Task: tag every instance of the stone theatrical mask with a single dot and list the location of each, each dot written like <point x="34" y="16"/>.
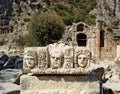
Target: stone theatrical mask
<point x="29" y="59"/>
<point x="56" y="56"/>
<point x="83" y="58"/>
<point x="82" y="61"/>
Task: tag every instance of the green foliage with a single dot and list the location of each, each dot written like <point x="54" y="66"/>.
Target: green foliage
<point x="112" y="26"/>
<point x="68" y="20"/>
<point x="48" y="2"/>
<point x="25" y="41"/>
<point x="74" y="10"/>
<point x="90" y="19"/>
<point x="26" y="19"/>
<point x="44" y="9"/>
<point x="2" y="42"/>
<point x="45" y="28"/>
<point x="21" y="41"/>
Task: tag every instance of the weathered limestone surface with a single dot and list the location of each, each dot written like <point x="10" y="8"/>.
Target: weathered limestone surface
<point x="109" y="11"/>
<point x="58" y="84"/>
<point x="57" y="70"/>
<point x="118" y="51"/>
<point x="57" y="60"/>
<point x="60" y="71"/>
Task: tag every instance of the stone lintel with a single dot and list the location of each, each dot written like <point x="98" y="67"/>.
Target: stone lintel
<point x="62" y="71"/>
<point x="60" y="84"/>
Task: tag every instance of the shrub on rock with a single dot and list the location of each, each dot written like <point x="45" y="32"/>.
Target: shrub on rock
<point x="45" y="28"/>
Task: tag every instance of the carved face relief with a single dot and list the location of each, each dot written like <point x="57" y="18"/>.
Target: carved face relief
<point x="82" y="61"/>
<point x="56" y="58"/>
<point x="30" y="61"/>
<point x="55" y="62"/>
<point x="82" y="57"/>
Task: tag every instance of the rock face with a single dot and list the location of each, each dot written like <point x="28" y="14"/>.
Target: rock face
<point x="109" y="11"/>
<point x="12" y="10"/>
<point x="11" y="62"/>
<point x="5" y="11"/>
<point x="15" y="13"/>
<point x="8" y="84"/>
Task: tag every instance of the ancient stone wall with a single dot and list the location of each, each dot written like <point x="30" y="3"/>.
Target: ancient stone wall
<point x="99" y="40"/>
<point x="109" y="50"/>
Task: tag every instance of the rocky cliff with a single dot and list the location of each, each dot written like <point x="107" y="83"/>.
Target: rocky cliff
<point x="109" y="11"/>
<point x="14" y="17"/>
<point x="15" y="14"/>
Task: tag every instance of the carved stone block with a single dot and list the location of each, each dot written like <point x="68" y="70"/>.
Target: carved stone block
<point x="30" y="60"/>
<point x="58" y="85"/>
<point x="56" y="58"/>
<point x="68" y="57"/>
<point x="43" y="58"/>
<point x="82" y="57"/>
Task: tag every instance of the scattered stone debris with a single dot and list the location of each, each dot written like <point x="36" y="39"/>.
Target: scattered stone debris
<point x="8" y="79"/>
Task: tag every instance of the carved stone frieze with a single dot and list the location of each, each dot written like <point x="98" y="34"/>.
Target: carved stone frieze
<point x="56" y="60"/>
<point x="43" y="58"/>
<point x="82" y="57"/>
<point x="30" y="60"/>
<point x="68" y="57"/>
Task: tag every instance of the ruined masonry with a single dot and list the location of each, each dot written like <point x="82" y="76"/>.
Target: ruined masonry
<point x="65" y="67"/>
<point x="57" y="69"/>
<point x="101" y="41"/>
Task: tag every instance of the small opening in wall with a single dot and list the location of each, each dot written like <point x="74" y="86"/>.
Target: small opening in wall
<point x="102" y="35"/>
<point x="80" y="27"/>
<point x="81" y="39"/>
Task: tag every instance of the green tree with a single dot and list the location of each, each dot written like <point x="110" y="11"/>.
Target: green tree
<point x="2" y="42"/>
<point x="26" y="40"/>
<point x="46" y="28"/>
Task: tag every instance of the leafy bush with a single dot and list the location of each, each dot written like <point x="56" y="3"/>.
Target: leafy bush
<point x="112" y="26"/>
<point x="2" y="42"/>
<point x="21" y="41"/>
<point x="46" y="28"/>
<point x="26" y="19"/>
<point x="26" y="40"/>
